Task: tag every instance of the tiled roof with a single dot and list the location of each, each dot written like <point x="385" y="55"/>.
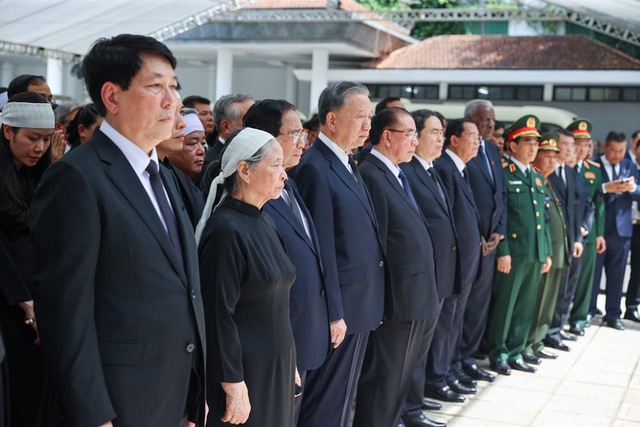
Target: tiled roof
<point x="573" y="52"/>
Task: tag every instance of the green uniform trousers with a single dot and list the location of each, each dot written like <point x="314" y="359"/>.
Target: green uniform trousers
<point x="513" y="303"/>
<point x="547" y="296"/>
<point x="582" y="297"/>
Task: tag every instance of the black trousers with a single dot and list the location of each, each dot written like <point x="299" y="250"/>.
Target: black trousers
<point x="632" y="299"/>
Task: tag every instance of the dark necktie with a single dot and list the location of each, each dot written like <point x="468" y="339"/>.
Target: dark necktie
<point x="407" y="189"/>
<point x="434" y="177"/>
<point x="356" y="173"/>
<point x="293" y="203"/>
<point x="614" y="173"/>
<point x="485" y="161"/>
<point x="562" y="174"/>
<point x="465" y="174"/>
<point x="165" y="209"/>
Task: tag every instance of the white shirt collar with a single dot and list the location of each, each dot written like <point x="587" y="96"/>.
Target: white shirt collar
<point x="393" y="168"/>
<point x="342" y="155"/>
<point x="523" y="168"/>
<point x="423" y="162"/>
<point x="138" y="159"/>
<point x="457" y="160"/>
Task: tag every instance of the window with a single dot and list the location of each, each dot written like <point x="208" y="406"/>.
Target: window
<point x="596" y="93"/>
<point x="409" y="91"/>
<point x="495" y="92"/>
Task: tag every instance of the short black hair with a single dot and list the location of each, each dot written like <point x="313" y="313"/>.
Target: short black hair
<point x="382" y="105"/>
<point x="118" y="60"/>
<point x="421" y="116"/>
<point x="191" y="101"/>
<point x="565" y="132"/>
<point x="455" y="127"/>
<point x="267" y="115"/>
<point x="382" y="120"/>
<point x="498" y="125"/>
<point x="614" y="136"/>
<point x="21" y="83"/>
<point x="634" y="135"/>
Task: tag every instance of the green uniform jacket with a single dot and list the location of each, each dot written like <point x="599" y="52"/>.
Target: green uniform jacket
<point x="527" y="238"/>
<point x="557" y="230"/>
<point x="592" y="175"/>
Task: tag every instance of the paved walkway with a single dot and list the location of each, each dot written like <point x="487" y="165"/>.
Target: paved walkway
<point x="597" y="383"/>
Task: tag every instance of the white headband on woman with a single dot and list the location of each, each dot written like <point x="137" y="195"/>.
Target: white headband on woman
<point x="242" y="147"/>
<point x="28" y="115"/>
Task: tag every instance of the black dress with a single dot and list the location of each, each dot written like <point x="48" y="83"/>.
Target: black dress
<point x="23" y="366"/>
<point x="246" y="277"/>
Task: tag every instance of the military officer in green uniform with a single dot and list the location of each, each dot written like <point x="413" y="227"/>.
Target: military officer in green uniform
<point x="594" y="242"/>
<point x="523" y="255"/>
<point x="550" y="282"/>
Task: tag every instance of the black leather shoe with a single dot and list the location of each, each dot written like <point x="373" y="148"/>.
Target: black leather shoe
<point x="501" y="367"/>
<point x="430" y="405"/>
<point x="531" y="358"/>
<point x="445" y="394"/>
<point x="567" y="336"/>
<point x="465" y="379"/>
<point x="577" y="329"/>
<point x="545" y="354"/>
<point x="521" y="365"/>
<point x="613" y="323"/>
<point x="421" y="421"/>
<point x="475" y="372"/>
<point x="558" y="345"/>
<point x="460" y="388"/>
<point x="632" y="315"/>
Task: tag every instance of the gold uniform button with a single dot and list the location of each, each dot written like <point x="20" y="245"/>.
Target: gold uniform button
<point x="532" y="190"/>
<point x="517" y="190"/>
<point x="537" y="213"/>
<point x="514" y="235"/>
<point x="535" y="202"/>
<point x="539" y="227"/>
<point x="590" y="181"/>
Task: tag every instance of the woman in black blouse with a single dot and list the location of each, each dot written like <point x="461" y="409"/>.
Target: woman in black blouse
<point x="246" y="276"/>
<point x="27" y="125"/>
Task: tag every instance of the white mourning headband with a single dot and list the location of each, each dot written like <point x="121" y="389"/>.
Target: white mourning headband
<point x="193" y="123"/>
<point x="28" y="115"/>
<point x="242" y="147"/>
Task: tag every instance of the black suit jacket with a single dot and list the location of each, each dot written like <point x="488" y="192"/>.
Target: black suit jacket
<point x="191" y="195"/>
<point x="571" y="201"/>
<point x="352" y="256"/>
<point x="307" y="297"/>
<point x="214" y="153"/>
<point x="441" y="226"/>
<point x="120" y="318"/>
<point x="465" y="214"/>
<point x="412" y="292"/>
<point x="489" y="194"/>
<point x="618" y="206"/>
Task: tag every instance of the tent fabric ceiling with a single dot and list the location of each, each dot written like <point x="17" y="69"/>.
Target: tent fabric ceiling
<point x="73" y="25"/>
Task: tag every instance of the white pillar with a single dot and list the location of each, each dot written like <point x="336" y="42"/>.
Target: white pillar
<point x="7" y="73"/>
<point x="319" y="73"/>
<point x="54" y="75"/>
<point x="211" y="83"/>
<point x="224" y="72"/>
<point x="290" y="85"/>
<point x="443" y="91"/>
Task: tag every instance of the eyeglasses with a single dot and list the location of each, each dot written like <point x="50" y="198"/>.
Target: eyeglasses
<point x="298" y="135"/>
<point x="409" y="134"/>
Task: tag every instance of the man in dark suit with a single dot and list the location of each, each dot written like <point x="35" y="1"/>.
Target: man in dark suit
<point x="461" y="145"/>
<point x="228" y="112"/>
<point x="632" y="297"/>
<point x="567" y="185"/>
<point x="429" y="192"/>
<point x="352" y="256"/>
<point x="119" y="309"/>
<point x="412" y="303"/>
<point x="307" y="298"/>
<point x="489" y="191"/>
<point x="618" y="229"/>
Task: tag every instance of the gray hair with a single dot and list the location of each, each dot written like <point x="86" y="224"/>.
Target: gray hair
<point x="474" y="105"/>
<point x="225" y="108"/>
<point x="63" y="110"/>
<point x="334" y="96"/>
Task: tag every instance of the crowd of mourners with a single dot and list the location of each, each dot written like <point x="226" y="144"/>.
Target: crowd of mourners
<point x="166" y="262"/>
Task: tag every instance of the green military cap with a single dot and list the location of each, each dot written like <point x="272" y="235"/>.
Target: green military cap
<point x="525" y="126"/>
<point x="581" y="128"/>
<point x="548" y="142"/>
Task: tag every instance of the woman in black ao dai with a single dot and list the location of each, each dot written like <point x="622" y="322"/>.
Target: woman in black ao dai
<point x="246" y="277"/>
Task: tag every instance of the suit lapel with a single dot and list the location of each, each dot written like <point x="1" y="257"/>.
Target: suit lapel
<point x="466" y="189"/>
<point x="283" y="209"/>
<point x="126" y="181"/>
<point x="423" y="176"/>
<point x="392" y="180"/>
<point x="349" y="180"/>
